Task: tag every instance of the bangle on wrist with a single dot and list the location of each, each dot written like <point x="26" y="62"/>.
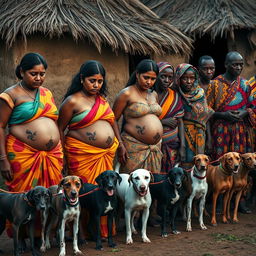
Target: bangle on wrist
<point x="2" y="157"/>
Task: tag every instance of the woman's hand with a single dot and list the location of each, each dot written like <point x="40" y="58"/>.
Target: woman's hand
<point x="122" y="153"/>
<point x="6" y="170"/>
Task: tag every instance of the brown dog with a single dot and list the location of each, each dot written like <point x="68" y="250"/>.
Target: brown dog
<point x="220" y="181"/>
<point x="240" y="180"/>
<point x="65" y="208"/>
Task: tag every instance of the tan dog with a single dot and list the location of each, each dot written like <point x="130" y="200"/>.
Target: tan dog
<point x="240" y="180"/>
<point x="65" y="208"/>
<point x="198" y="188"/>
<point x="220" y="181"/>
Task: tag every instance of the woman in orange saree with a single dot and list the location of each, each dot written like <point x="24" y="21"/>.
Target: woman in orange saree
<point x="31" y="154"/>
<point x="90" y="143"/>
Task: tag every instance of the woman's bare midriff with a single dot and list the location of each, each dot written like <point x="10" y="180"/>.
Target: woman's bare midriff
<point x="100" y="134"/>
<point x="147" y="129"/>
<point x="41" y="133"/>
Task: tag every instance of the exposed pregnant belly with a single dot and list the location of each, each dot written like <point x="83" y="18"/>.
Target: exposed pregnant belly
<point x="147" y="129"/>
<point x="100" y="134"/>
<point x="41" y="134"/>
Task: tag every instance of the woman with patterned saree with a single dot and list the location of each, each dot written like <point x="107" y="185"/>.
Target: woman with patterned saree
<point x="173" y="142"/>
<point x="90" y="143"/>
<point x="142" y="130"/>
<point x="197" y="112"/>
<point x="31" y="154"/>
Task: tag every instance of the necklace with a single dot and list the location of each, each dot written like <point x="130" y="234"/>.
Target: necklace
<point x="26" y="91"/>
<point x="141" y="93"/>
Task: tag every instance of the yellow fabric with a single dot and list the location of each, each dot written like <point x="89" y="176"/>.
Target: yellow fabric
<point x="7" y="98"/>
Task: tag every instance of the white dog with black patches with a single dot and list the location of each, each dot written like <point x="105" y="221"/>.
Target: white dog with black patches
<point x="134" y="192"/>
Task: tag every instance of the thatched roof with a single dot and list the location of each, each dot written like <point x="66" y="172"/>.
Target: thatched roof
<point x="122" y="24"/>
<point x="216" y="17"/>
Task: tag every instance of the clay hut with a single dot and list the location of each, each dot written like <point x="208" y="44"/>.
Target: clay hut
<point x="217" y="26"/>
<point x="118" y="33"/>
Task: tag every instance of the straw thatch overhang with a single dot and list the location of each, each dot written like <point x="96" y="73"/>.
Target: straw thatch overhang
<point x="215" y="17"/>
<point x="121" y="24"/>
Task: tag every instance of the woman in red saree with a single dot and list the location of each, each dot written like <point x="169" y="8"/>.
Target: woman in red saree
<point x="171" y="118"/>
<point x="31" y="153"/>
<point x="90" y="143"/>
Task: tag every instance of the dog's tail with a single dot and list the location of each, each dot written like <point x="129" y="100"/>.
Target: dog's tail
<point x="117" y="167"/>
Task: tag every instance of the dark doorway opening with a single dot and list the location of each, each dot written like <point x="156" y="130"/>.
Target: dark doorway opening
<point x="217" y="49"/>
<point x="134" y="61"/>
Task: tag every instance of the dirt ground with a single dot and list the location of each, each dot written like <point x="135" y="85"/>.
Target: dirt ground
<point x="225" y="240"/>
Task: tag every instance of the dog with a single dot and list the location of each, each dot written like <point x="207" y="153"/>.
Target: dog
<point x="134" y="192"/>
<point x="64" y="208"/>
<point x="198" y="188"/>
<point x="248" y="163"/>
<point x="220" y="181"/>
<point x="100" y="201"/>
<point x="166" y="190"/>
<point x="21" y="209"/>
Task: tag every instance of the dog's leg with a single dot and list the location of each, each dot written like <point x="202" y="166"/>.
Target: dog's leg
<point x="16" y="239"/>
<point x="98" y="234"/>
<point x="173" y="217"/>
<point x="145" y="215"/>
<point x="110" y="237"/>
<point x="228" y="204"/>
<point x="214" y="201"/>
<point x="75" y="234"/>
<point x="134" y="214"/>
<point x="127" y="213"/>
<point x="44" y="216"/>
<point x="201" y="212"/>
<point x="61" y="231"/>
<point x="162" y="212"/>
<point x="225" y="202"/>
<point x="189" y="209"/>
<point x="238" y="196"/>
<point x="31" y="237"/>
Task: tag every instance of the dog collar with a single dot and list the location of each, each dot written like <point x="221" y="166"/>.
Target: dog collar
<point x="224" y="171"/>
<point x="197" y="176"/>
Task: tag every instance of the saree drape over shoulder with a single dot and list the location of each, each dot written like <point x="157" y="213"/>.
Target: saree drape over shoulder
<point x="32" y="167"/>
<point x="228" y="136"/>
<point x="196" y="116"/>
<point x="87" y="161"/>
<point x="171" y="108"/>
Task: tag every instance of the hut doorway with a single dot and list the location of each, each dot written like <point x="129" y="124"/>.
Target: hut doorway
<point x="217" y="49"/>
<point x="134" y="61"/>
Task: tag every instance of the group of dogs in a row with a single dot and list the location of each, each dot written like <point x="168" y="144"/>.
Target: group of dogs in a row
<point x="62" y="203"/>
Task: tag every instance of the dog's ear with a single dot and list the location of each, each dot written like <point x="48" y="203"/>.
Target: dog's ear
<point x="222" y="159"/>
<point x="194" y="159"/>
<point x="99" y="180"/>
<point x="61" y="184"/>
<point x="130" y="178"/>
<point x="81" y="181"/>
<point x="151" y="177"/>
<point x="118" y="177"/>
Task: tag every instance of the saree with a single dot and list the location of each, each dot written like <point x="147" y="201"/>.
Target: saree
<point x="149" y="156"/>
<point x="87" y="161"/>
<point x="32" y="167"/>
<point x="232" y="136"/>
<point x="171" y="108"/>
<point x="196" y="116"/>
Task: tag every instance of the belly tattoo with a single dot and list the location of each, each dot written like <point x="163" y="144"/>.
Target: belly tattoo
<point x="49" y="144"/>
<point x="140" y="129"/>
<point x="31" y="135"/>
<point x="109" y="140"/>
<point x="91" y="135"/>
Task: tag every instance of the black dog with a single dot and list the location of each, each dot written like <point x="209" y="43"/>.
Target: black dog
<point x="167" y="190"/>
<point x="101" y="201"/>
<point x="21" y="209"/>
